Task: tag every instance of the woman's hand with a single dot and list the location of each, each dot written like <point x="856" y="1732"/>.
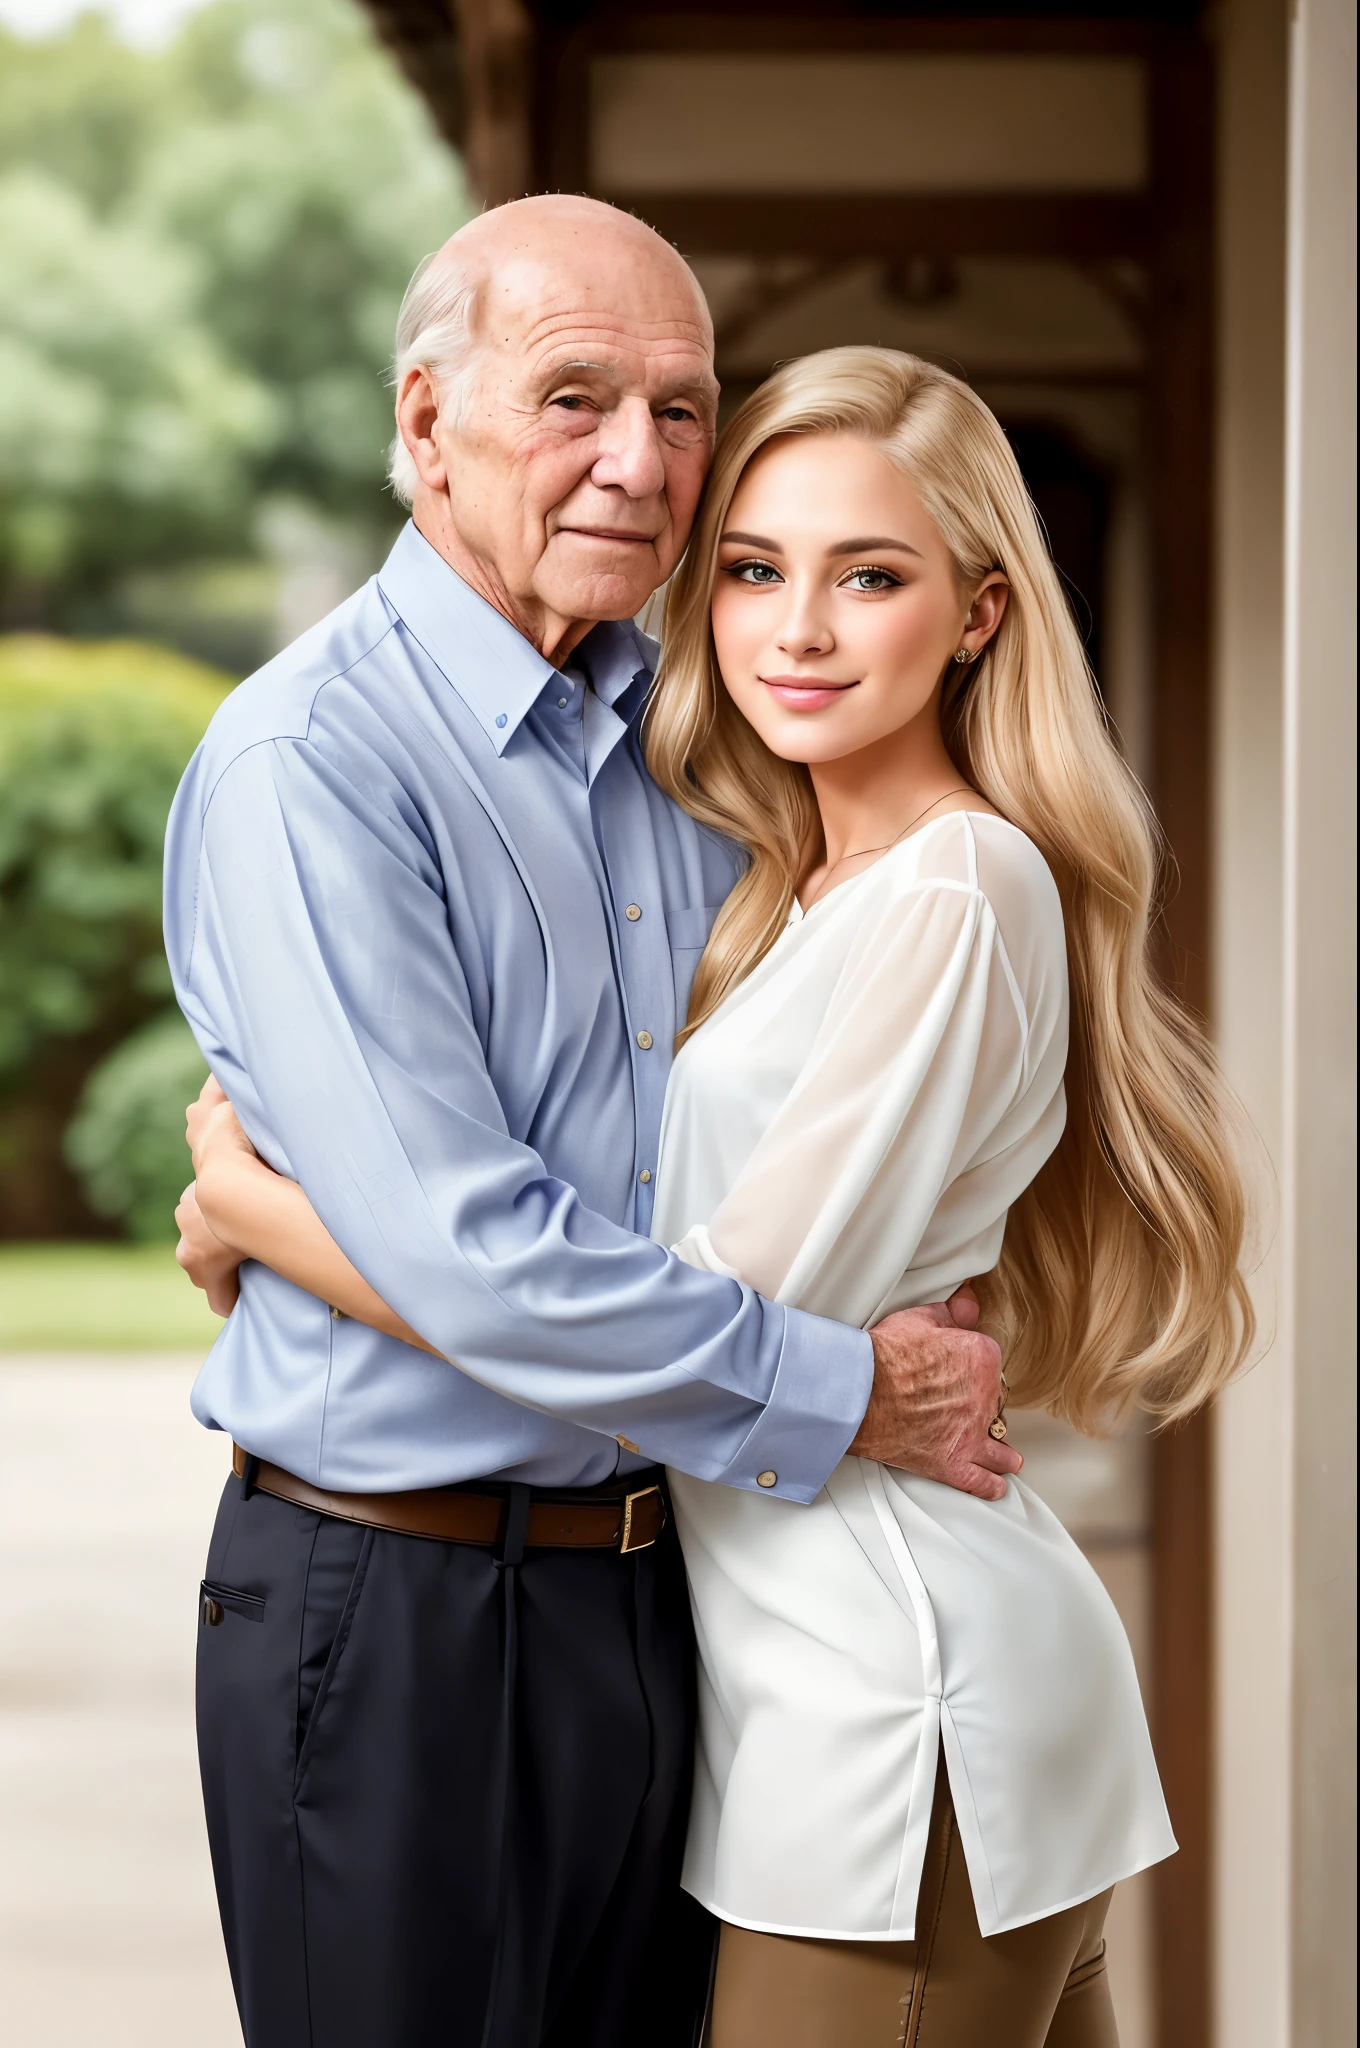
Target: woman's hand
<point x="211" y="1128"/>
<point x="209" y="1263"/>
<point x="239" y="1208"/>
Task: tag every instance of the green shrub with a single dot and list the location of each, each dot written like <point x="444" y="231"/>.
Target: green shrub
<point x="126" y="1140"/>
<point x="93" y="740"/>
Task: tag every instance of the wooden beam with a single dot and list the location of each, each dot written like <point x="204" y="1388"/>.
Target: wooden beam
<point x="495" y="40"/>
<point x="420" y="38"/>
<point x="1063" y="225"/>
<point x="789" y="29"/>
<point x="1181" y="467"/>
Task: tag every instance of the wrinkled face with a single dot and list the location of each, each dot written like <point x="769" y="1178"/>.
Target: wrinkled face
<point x="574" y="471"/>
<point x="836" y="608"/>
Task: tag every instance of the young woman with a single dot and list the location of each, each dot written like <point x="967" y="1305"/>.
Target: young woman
<point x="925" y="1043"/>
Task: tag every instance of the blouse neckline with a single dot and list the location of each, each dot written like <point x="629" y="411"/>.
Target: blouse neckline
<point x="797" y="914"/>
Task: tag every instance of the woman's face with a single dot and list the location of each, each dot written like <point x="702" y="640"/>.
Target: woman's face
<point x="836" y="608"/>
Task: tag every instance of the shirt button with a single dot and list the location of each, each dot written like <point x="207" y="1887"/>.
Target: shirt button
<point x="767" y="1479"/>
<point x="335" y="1315"/>
<point x="562" y="703"/>
<point x="645" y="1175"/>
<point x="644" y="1039"/>
<point x="633" y="912"/>
<point x="501" y="718"/>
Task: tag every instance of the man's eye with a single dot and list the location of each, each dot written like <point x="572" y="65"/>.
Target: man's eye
<point x="570" y="402"/>
<point x="871" y="580"/>
<point x="761" y="574"/>
<point x="676" y="412"/>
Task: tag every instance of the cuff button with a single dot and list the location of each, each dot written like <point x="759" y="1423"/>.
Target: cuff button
<point x="767" y="1479"/>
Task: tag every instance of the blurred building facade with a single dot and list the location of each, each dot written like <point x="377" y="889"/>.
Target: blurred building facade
<point x="1131" y="226"/>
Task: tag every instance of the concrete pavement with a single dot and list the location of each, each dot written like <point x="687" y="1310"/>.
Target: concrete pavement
<point x="108" y="1925"/>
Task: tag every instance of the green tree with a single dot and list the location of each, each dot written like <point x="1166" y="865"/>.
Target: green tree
<point x="126" y="432"/>
<point x="201" y="255"/>
<point x="93" y="741"/>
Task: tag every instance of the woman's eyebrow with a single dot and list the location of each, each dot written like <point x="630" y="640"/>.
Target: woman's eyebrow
<point x="874" y="540"/>
<point x="866" y="544"/>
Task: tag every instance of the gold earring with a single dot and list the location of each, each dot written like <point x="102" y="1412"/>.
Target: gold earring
<point x="963" y="654"/>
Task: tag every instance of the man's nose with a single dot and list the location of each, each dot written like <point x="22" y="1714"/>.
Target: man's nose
<point x="628" y="454"/>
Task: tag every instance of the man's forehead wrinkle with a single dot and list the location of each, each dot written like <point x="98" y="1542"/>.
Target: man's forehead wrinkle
<point x="552" y="340"/>
<point x="597" y="319"/>
<point x="558" y="339"/>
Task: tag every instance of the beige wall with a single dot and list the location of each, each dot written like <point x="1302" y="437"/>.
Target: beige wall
<point x="1253" y="1476"/>
<point x="1319" y="1159"/>
<point x="894" y="121"/>
<point x="1284" y="1001"/>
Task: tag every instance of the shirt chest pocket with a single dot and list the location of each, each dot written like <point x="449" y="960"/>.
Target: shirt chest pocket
<point x="687" y="929"/>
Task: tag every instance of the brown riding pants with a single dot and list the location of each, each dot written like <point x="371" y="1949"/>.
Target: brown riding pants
<point x="1041" y="1986"/>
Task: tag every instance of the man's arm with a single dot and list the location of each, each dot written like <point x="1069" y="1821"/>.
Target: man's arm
<point x="312" y="956"/>
<point x="933" y="1393"/>
<point x="310" y="945"/>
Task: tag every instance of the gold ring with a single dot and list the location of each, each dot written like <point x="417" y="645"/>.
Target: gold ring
<point x="996" y="1428"/>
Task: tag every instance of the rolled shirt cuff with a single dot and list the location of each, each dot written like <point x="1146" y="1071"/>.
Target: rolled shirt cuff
<point x="821" y="1390"/>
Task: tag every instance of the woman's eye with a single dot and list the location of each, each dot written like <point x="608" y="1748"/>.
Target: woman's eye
<point x="759" y="573"/>
<point x="871" y="580"/>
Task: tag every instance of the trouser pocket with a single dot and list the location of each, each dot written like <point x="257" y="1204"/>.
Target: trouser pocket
<point x="335" y="1580"/>
<point x="218" y="1601"/>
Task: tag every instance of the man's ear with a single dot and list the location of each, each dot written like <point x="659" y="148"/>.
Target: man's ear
<point x="417" y="418"/>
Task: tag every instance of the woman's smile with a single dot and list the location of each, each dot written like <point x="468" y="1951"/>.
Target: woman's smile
<point x="806" y="693"/>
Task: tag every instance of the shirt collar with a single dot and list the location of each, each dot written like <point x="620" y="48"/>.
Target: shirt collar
<point x="495" y="670"/>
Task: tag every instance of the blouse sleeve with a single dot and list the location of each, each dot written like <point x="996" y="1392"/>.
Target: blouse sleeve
<point x="918" y="1058"/>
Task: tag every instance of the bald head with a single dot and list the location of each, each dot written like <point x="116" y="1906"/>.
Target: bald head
<point x="514" y="246"/>
<point x="555" y="411"/>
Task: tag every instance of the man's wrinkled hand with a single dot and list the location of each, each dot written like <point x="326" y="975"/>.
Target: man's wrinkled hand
<point x="937" y="1388"/>
<point x="210" y="1264"/>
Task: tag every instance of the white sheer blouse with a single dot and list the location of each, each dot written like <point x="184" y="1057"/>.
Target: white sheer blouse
<point x="847" y="1133"/>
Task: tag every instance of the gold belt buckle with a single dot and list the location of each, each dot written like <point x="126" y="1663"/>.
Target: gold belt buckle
<point x="626" y="1542"/>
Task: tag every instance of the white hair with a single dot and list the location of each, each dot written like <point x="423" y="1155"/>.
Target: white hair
<point x="434" y="334"/>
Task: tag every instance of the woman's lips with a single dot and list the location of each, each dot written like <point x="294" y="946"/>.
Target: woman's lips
<point x="805" y="693"/>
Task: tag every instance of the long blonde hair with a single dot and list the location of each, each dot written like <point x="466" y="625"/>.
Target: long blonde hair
<point x="1120" y="1281"/>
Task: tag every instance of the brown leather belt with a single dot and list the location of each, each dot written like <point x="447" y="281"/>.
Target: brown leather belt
<point x="447" y="1514"/>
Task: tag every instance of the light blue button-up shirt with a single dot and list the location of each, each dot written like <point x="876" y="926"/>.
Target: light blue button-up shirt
<point x="434" y="927"/>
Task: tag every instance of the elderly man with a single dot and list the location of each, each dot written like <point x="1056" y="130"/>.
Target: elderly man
<point x="434" y="928"/>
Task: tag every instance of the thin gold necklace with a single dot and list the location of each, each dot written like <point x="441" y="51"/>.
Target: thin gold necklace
<point x="861" y="852"/>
